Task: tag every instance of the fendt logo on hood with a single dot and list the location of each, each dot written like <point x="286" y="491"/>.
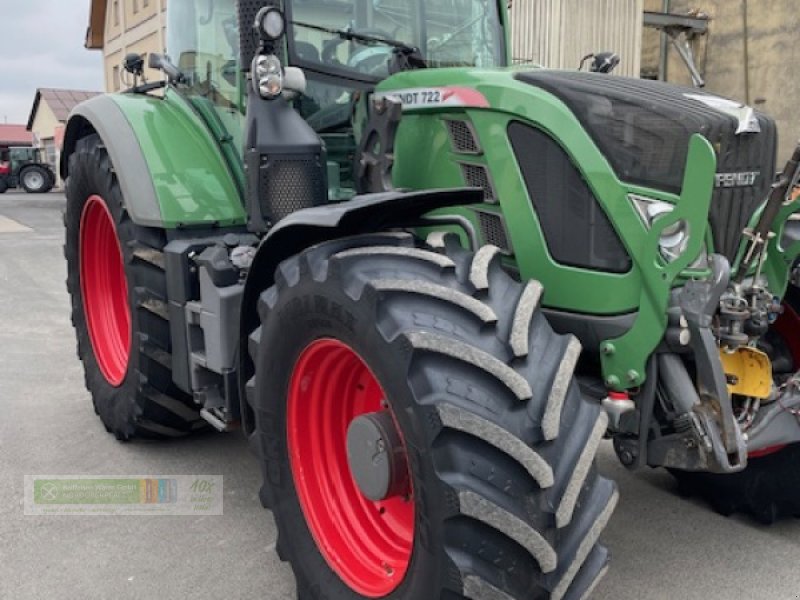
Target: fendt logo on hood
<point x="731" y="180"/>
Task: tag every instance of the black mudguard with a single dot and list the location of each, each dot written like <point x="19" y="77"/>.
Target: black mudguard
<point x="310" y="226"/>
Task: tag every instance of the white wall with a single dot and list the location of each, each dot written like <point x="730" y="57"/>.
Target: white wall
<point x="558" y="33"/>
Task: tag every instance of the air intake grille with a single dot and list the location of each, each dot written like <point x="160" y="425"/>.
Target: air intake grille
<point x="290" y="184"/>
<point x="477" y="176"/>
<point x="462" y="137"/>
<point x="732" y="208"/>
<point x="576" y="228"/>
<point x="493" y="230"/>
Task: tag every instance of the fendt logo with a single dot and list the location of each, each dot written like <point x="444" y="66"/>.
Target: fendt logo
<point x="730" y="180"/>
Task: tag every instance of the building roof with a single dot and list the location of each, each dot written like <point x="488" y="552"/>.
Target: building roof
<point x="15" y="135"/>
<point x="61" y="102"/>
<point x="95" y="32"/>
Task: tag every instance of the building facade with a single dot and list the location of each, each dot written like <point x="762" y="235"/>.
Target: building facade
<point x="121" y="27"/>
<point x="750" y="54"/>
<point x="558" y="33"/>
<point x="48" y="118"/>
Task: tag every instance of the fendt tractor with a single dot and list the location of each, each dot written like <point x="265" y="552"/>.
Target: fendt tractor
<point x="351" y="230"/>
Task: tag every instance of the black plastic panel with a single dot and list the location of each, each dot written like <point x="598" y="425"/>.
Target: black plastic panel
<point x="577" y="230"/>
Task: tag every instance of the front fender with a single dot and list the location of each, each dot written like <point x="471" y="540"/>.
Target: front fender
<point x="363" y="214"/>
<point x="169" y="165"/>
<point x="300" y="230"/>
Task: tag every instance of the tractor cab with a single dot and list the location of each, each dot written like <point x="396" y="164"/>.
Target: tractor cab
<point x="344" y="49"/>
<point x="17" y="156"/>
<point x="342" y="46"/>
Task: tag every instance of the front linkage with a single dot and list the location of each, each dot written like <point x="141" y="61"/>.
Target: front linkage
<point x="729" y="404"/>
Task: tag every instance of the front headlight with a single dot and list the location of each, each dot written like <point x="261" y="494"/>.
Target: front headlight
<point x="675" y="238"/>
<point x="268" y="76"/>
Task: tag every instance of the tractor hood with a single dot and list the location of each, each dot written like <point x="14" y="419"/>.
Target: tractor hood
<point x="643" y="128"/>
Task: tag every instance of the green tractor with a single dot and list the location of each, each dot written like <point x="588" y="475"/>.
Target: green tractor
<point x="350" y="230"/>
<point x="26" y="167"/>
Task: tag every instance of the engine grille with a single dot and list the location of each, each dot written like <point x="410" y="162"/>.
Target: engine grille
<point x="462" y="137"/>
<point x="732" y="207"/>
<point x="576" y="228"/>
<point x="290" y="184"/>
<point x="643" y="129"/>
<point x="478" y="176"/>
<point x="493" y="230"/>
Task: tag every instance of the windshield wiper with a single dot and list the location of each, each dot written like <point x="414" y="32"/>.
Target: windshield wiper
<point x="349" y="35"/>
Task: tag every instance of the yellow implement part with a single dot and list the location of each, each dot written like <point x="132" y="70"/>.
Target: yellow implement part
<point x="748" y="371"/>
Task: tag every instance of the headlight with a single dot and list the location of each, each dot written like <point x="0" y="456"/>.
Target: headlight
<point x="267" y="65"/>
<point x="270" y="23"/>
<point x="268" y="76"/>
<point x="675" y="238"/>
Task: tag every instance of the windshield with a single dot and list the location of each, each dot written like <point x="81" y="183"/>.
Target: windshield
<point x="203" y="42"/>
<point x="447" y="33"/>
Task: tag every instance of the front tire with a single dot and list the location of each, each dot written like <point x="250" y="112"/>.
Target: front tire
<point x="117" y="286"/>
<point x="503" y="500"/>
<point x="768" y="489"/>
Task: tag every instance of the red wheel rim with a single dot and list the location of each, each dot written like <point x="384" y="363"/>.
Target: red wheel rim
<point x="368" y="544"/>
<point x="104" y="290"/>
<point x="762" y="452"/>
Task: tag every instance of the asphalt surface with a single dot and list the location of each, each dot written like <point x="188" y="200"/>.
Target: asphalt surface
<point x="664" y="546"/>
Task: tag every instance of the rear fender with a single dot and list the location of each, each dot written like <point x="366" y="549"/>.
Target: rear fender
<point x="169" y="165"/>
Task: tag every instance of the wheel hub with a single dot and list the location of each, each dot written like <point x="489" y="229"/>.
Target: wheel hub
<point x="376" y="456"/>
<point x="34" y="180"/>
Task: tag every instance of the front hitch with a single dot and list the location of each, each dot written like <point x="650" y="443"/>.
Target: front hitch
<point x="708" y="437"/>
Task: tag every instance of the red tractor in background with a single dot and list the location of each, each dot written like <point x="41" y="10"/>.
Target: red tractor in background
<point x="25" y="167"/>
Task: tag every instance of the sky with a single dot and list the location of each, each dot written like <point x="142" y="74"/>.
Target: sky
<point x="41" y="45"/>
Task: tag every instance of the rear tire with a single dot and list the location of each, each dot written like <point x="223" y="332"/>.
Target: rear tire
<point x="36" y="180"/>
<point x="3" y="186"/>
<point x="508" y="504"/>
<point x="130" y="382"/>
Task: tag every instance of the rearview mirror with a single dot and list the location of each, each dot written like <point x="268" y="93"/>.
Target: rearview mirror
<point x="294" y="82"/>
<point x="604" y="62"/>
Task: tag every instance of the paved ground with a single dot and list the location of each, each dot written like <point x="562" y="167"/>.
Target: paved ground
<point x="665" y="547"/>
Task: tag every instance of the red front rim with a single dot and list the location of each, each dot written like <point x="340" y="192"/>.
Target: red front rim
<point x="761" y="452"/>
<point x="104" y="290"/>
<point x="368" y="544"/>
